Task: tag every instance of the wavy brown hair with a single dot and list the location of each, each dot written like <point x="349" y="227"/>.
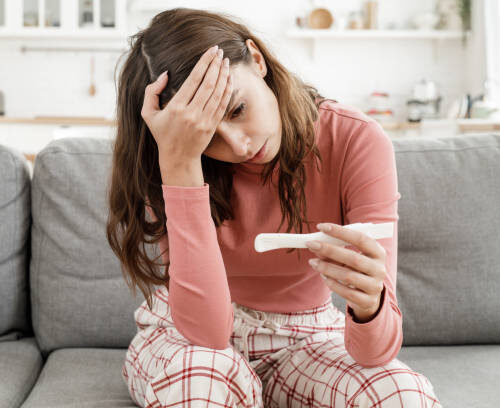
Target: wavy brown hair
<point x="175" y="40"/>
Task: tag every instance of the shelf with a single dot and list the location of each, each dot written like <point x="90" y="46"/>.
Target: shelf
<point x="56" y="33"/>
<point x="64" y="40"/>
<point x="374" y="34"/>
<point x="319" y="34"/>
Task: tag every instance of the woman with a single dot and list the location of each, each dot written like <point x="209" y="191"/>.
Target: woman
<point x="253" y="329"/>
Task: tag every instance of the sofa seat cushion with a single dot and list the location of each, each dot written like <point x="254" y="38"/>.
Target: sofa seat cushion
<point x="462" y="376"/>
<point x="81" y="377"/>
<point x="20" y="365"/>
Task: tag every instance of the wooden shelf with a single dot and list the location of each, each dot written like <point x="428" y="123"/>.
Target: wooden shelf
<point x="57" y="33"/>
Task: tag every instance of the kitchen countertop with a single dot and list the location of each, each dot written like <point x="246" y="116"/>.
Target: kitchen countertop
<point x="464" y="124"/>
<point x="59" y="120"/>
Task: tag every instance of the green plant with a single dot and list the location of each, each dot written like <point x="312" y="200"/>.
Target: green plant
<point x="464" y="9"/>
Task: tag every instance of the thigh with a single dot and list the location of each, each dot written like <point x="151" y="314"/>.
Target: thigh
<point x="319" y="371"/>
<point x="164" y="369"/>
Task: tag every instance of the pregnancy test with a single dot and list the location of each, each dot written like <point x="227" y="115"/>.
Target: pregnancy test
<point x="268" y="241"/>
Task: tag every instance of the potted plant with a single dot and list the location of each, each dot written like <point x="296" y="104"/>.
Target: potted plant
<point x="464" y="9"/>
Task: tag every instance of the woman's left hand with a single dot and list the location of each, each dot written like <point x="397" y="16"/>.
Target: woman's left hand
<point x="361" y="281"/>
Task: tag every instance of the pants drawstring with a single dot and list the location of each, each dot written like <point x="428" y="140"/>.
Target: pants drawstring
<point x="250" y="323"/>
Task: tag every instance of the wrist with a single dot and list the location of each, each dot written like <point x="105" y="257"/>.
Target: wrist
<point x="363" y="316"/>
<point x="183" y="172"/>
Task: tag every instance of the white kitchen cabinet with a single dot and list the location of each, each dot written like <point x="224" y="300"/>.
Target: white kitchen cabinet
<point x="85" y="19"/>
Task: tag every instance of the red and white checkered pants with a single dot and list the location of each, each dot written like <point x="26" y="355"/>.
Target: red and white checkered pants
<point x="295" y="359"/>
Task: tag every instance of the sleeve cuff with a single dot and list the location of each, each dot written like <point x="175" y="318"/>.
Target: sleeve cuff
<point x="376" y="320"/>
<point x="185" y="191"/>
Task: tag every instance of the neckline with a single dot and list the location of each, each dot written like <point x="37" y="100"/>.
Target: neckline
<point x="253" y="168"/>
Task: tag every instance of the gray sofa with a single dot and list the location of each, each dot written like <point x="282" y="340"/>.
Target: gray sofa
<point x="66" y="314"/>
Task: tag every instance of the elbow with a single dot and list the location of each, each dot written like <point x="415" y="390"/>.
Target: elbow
<point x="384" y="357"/>
<point x="208" y="338"/>
<point x="212" y="342"/>
<point x="378" y="363"/>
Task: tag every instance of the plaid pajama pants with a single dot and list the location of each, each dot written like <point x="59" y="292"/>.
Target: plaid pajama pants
<point x="295" y="359"/>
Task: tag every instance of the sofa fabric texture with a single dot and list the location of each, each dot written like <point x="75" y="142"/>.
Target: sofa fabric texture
<point x="15" y="220"/>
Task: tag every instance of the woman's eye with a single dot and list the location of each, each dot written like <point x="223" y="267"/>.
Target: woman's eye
<point x="239" y="109"/>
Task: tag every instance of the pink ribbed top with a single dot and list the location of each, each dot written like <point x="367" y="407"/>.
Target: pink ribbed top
<point x="210" y="268"/>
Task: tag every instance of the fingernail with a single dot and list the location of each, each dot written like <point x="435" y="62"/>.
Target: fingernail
<point x="313" y="262"/>
<point x="162" y="75"/>
<point x="324" y="227"/>
<point x="313" y="245"/>
<point x="214" y="49"/>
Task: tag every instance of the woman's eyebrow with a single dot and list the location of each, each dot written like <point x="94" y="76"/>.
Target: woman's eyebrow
<point x="231" y="101"/>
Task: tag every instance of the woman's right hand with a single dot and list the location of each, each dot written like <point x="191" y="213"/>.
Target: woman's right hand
<point x="184" y="127"/>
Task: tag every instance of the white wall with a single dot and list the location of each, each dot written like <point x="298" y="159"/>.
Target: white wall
<point x="56" y="83"/>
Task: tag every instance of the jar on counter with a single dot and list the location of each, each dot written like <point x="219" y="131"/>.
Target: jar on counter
<point x="356" y="20"/>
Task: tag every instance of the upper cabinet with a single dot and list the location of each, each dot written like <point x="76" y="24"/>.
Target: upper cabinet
<point x="63" y="18"/>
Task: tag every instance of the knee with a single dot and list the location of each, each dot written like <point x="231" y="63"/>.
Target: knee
<point x="397" y="387"/>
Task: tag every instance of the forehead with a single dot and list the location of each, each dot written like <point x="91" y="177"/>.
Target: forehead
<point x="240" y="74"/>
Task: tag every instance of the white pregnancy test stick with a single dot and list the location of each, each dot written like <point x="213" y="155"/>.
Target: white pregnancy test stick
<point x="268" y="241"/>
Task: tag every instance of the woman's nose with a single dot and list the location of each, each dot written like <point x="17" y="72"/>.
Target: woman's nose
<point x="239" y="144"/>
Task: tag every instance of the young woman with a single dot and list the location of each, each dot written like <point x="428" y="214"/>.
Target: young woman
<point x="226" y="325"/>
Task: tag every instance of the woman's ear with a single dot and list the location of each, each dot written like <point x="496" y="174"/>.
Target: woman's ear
<point x="257" y="57"/>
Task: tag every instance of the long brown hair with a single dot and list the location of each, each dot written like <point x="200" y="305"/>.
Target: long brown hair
<point x="175" y="40"/>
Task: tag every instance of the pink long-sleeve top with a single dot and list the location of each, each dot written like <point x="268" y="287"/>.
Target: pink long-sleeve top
<point x="211" y="267"/>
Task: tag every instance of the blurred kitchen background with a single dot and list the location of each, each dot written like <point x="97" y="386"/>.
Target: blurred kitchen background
<point x="422" y="68"/>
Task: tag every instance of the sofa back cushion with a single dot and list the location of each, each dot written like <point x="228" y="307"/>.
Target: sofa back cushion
<point x="448" y="257"/>
<point x="15" y="220"/>
<point x="449" y="243"/>
<point x="79" y="295"/>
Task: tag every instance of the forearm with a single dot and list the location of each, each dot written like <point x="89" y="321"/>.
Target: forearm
<point x="198" y="293"/>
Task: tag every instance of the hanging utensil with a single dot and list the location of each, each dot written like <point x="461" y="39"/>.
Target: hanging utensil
<point x="92" y="88"/>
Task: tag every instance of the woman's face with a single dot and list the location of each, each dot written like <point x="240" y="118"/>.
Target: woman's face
<point x="253" y="116"/>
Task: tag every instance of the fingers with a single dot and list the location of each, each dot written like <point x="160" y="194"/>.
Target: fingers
<point x="359" y="239"/>
<point x="217" y="104"/>
<point x="206" y="88"/>
<point x="351" y="294"/>
<point x="151" y="95"/>
<point x="193" y="81"/>
<point x="347" y="277"/>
